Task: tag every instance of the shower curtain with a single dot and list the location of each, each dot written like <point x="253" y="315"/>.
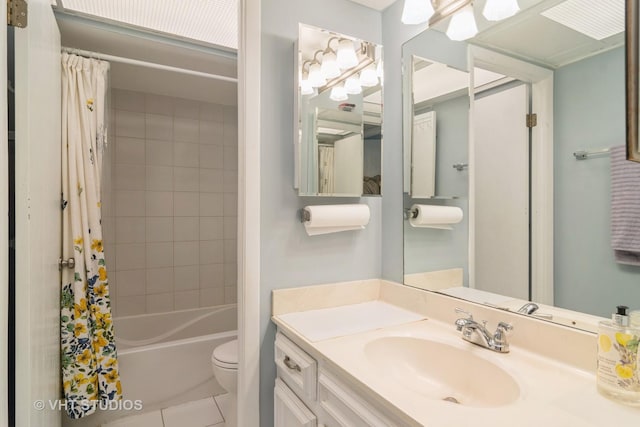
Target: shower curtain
<point x="88" y="350"/>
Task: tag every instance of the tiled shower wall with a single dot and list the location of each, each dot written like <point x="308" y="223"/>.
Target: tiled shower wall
<point x="170" y="218"/>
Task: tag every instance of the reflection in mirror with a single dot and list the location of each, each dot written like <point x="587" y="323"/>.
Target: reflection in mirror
<point x="339" y="110"/>
<point x="560" y="233"/>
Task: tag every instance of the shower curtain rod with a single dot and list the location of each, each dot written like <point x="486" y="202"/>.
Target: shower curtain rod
<point x="130" y="61"/>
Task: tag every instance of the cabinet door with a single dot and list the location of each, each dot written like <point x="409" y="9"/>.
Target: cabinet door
<point x="289" y="411"/>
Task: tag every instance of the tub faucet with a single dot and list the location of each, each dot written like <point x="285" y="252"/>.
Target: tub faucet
<point x="478" y="334"/>
<point x="529" y="308"/>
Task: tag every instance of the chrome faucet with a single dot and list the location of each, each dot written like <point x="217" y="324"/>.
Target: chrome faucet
<point x="531" y="309"/>
<point x="478" y="334"/>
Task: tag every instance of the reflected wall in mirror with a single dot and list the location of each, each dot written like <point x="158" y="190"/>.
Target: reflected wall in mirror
<point x="567" y="263"/>
<point x="339" y="115"/>
<point x="633" y="79"/>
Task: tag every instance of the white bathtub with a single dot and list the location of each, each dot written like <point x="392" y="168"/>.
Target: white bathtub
<point x="165" y="359"/>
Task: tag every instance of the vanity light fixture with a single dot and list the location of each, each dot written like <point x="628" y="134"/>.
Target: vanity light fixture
<point x="417" y="12"/>
<point x="305" y="85"/>
<point x="463" y="24"/>
<point x="369" y="77"/>
<point x="346" y="56"/>
<point x="497" y="10"/>
<point x="338" y="93"/>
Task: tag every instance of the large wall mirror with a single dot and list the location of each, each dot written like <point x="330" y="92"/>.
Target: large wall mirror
<point x="338" y="136"/>
<point x="545" y="133"/>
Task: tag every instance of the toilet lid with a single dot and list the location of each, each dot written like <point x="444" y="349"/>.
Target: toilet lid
<point x="227" y="353"/>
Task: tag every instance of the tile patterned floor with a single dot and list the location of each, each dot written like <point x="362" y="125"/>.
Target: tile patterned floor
<point x="200" y="413"/>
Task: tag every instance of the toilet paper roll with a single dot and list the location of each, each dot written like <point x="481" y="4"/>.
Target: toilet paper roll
<point x="429" y="216"/>
<point x="326" y="219"/>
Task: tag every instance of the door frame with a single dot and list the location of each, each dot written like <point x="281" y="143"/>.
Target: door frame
<point x="541" y="80"/>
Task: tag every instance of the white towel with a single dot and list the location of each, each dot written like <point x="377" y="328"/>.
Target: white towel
<point x="625" y="207"/>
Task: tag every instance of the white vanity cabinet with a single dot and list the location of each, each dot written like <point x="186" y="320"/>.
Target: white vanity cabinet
<point x="308" y="394"/>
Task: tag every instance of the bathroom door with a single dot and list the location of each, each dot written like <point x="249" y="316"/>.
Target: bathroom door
<point x="501" y="219"/>
<point x="38" y="216"/>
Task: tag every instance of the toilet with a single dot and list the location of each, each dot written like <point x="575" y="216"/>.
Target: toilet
<point x="224" y="362"/>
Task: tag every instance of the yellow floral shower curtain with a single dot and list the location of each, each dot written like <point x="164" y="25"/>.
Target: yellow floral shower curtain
<point x="88" y="350"/>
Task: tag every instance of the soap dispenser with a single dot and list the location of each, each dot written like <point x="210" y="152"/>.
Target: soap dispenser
<point x="618" y="374"/>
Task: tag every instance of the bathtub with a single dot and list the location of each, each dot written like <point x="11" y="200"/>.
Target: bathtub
<point x="165" y="358"/>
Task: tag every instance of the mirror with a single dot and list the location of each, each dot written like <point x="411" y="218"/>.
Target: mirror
<point x="338" y="141"/>
<point x="568" y="266"/>
<point x="632" y="79"/>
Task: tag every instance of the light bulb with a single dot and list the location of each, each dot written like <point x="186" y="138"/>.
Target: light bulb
<point x="417" y="11"/>
<point x="496" y="10"/>
<point x="352" y="86"/>
<point x="368" y="77"/>
<point x="329" y="66"/>
<point x="338" y="93"/>
<point x="315" y="76"/>
<point x="305" y="87"/>
<point x="463" y="25"/>
<point x="347" y="57"/>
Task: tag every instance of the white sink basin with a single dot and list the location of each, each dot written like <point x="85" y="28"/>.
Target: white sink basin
<point x="442" y="372"/>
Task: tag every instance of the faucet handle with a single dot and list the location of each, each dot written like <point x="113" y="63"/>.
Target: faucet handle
<point x="504" y="327"/>
<point x="466" y="313"/>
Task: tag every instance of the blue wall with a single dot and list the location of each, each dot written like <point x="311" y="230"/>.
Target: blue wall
<point x="289" y="257"/>
<point x="589" y="114"/>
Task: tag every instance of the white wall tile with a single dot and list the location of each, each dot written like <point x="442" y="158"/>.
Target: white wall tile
<point x="230" y="228"/>
<point x="230" y="251"/>
<point x="211" y="228"/>
<point x="158" y="104"/>
<point x="130" y="124"/>
<point x="186" y="108"/>
<point x="230" y="274"/>
<point x="186" y="204"/>
<point x="129" y="177"/>
<point x="211" y="252"/>
<point x="159" y="254"/>
<point x="130" y="256"/>
<point x="185" y="253"/>
<point x="159" y="178"/>
<point x="130" y="150"/>
<point x="159" y="153"/>
<point x="231" y="157"/>
<point x="211" y="156"/>
<point x="186" y="179"/>
<point x="132" y="282"/>
<point x="159" y="127"/>
<point x="230" y="202"/>
<point x="211" y="112"/>
<point x="211" y="276"/>
<point x="211" y="204"/>
<point x="185" y="154"/>
<point x="186" y="229"/>
<point x="211" y="180"/>
<point x="211" y="133"/>
<point x="159" y="303"/>
<point x="211" y="296"/>
<point x="129" y="100"/>
<point x="159" y="203"/>
<point x="186" y="130"/>
<point x="131" y="306"/>
<point x="159" y="229"/>
<point x="230" y="295"/>
<point x="130" y="203"/>
<point x="186" y="300"/>
<point x="230" y="182"/>
<point x="186" y="278"/>
<point x="159" y="280"/>
<point x="130" y="229"/>
<point x="230" y="135"/>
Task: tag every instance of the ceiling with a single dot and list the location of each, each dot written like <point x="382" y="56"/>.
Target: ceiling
<point x="95" y="36"/>
<point x="376" y="4"/>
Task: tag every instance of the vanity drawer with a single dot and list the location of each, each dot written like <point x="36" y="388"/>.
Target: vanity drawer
<point x="341" y="407"/>
<point x="296" y="368"/>
<point x="289" y="411"/>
